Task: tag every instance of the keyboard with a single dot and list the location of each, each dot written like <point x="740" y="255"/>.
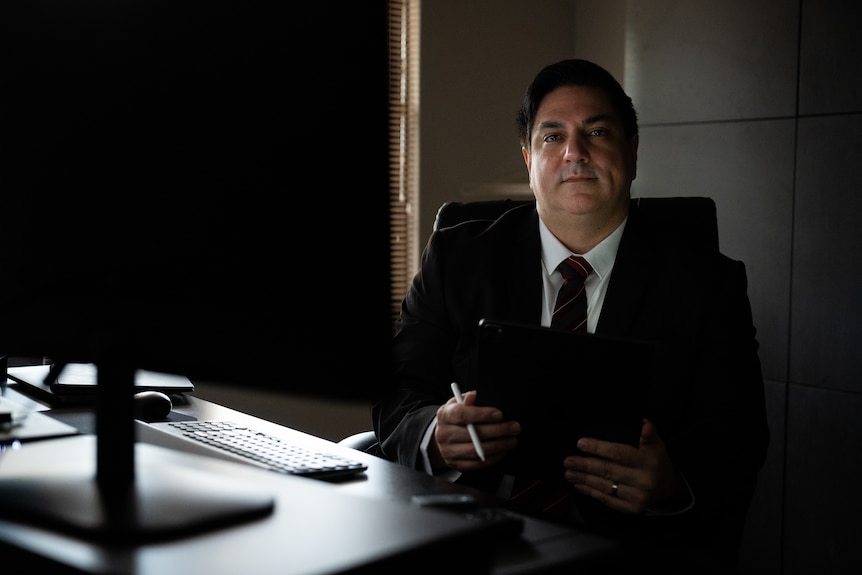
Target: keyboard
<point x="235" y="442"/>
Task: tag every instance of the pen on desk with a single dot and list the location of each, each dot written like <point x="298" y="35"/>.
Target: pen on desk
<point x="470" y="428"/>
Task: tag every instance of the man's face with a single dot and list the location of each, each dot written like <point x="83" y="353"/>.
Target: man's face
<point x="580" y="161"/>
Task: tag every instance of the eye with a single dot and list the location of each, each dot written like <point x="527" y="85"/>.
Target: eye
<point x="550" y="138"/>
<point x="598" y="132"/>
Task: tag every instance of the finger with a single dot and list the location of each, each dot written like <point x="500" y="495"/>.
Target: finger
<point x="608" y="492"/>
<point x="649" y="433"/>
<point x="452" y="413"/>
<point x="455" y="413"/>
<point x="457" y="452"/>
<point x="469" y="397"/>
<point x="594" y="473"/>
<point x="462" y="451"/>
<point x="622" y="453"/>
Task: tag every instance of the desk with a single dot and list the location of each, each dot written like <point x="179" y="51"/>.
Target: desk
<point x="359" y="524"/>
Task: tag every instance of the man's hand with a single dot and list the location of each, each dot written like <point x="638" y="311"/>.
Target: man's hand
<point x="628" y="479"/>
<point x="452" y="447"/>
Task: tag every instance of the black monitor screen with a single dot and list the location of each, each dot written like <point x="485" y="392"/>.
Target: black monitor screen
<point x="198" y="187"/>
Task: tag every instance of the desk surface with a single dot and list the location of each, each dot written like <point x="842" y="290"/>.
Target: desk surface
<point x="316" y="526"/>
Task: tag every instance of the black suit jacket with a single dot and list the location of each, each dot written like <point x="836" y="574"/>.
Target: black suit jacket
<point x="706" y="395"/>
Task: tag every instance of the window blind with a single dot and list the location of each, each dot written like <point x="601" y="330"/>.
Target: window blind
<point x="403" y="146"/>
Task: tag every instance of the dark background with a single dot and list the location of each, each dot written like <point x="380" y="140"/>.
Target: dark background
<point x="177" y="177"/>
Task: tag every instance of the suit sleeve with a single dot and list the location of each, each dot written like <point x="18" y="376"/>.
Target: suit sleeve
<point x="422" y="348"/>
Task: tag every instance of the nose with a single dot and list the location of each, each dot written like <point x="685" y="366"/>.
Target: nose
<point x="576" y="149"/>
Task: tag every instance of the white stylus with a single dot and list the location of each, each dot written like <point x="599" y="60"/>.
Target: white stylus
<point x="470" y="429"/>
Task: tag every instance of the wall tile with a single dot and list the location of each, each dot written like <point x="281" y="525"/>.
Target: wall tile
<point x="830" y="58"/>
<point x="826" y="311"/>
<point x="823" y="471"/>
<point x="711" y="60"/>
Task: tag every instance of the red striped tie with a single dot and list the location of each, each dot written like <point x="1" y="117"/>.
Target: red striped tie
<point x="570" y="310"/>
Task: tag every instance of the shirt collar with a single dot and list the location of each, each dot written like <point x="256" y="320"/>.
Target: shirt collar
<point x="601" y="257"/>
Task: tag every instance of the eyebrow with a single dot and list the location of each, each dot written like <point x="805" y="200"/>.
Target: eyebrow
<point x="553" y="124"/>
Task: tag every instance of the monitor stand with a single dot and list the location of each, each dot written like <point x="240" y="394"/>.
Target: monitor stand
<point x="55" y="484"/>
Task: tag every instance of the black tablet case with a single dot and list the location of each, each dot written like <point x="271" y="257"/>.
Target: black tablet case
<point x="561" y="386"/>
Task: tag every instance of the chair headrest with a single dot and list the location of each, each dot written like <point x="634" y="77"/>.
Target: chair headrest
<point x="451" y="213"/>
<point x="694" y="216"/>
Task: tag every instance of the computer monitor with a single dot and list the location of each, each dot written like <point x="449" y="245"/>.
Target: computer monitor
<point x="197" y="187"/>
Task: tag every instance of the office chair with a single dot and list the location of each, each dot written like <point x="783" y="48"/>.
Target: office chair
<point x="694" y="217"/>
<point x="451" y="213"/>
<point x="362" y="441"/>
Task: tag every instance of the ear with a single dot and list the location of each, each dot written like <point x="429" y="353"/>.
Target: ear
<point x="527" y="159"/>
<point x="634" y="150"/>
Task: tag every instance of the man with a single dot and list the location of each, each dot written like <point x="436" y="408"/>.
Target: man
<point x="684" y="491"/>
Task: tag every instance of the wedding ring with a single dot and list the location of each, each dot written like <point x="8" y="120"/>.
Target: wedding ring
<point x="615" y="487"/>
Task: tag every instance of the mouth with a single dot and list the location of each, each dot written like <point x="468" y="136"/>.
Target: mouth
<point x="577" y="178"/>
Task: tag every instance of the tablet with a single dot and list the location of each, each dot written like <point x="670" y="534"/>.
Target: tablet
<point x="561" y="386"/>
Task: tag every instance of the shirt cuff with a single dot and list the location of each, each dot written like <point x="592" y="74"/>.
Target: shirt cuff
<point x="449" y="474"/>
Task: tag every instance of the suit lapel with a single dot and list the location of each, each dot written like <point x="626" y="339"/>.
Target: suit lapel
<point x="632" y="272"/>
<point x="521" y="265"/>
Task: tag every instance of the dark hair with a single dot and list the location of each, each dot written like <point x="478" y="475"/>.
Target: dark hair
<point x="574" y="72"/>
